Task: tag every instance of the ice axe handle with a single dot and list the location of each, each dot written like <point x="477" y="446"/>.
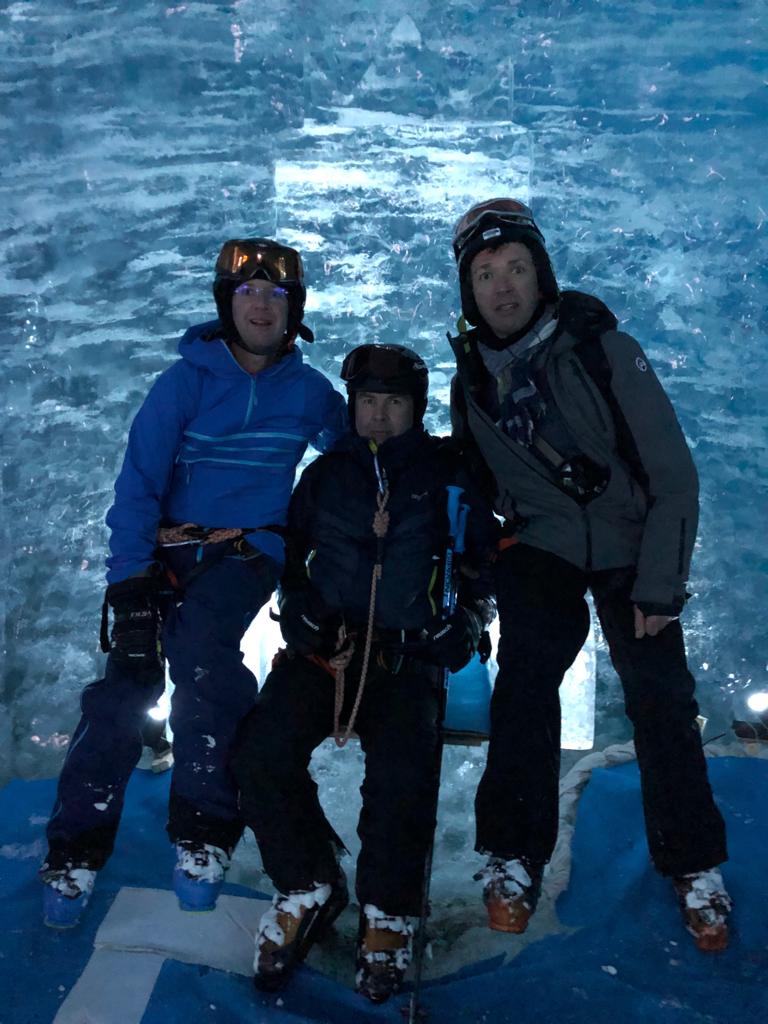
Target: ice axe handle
<point x="454" y="513"/>
<point x="413" y="1013"/>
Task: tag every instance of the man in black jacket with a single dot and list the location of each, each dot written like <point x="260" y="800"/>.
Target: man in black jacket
<point x="367" y="644"/>
<point x="585" y="460"/>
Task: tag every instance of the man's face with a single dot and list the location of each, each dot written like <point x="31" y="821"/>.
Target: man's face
<point x="260" y="312"/>
<point x="380" y="416"/>
<point x="505" y="286"/>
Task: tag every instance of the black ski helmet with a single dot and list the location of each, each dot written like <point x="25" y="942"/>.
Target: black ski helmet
<point x="386" y="369"/>
<point x="489" y="225"/>
<point x="242" y="259"/>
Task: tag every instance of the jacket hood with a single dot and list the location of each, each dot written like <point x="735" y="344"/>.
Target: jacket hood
<point x="582" y="315"/>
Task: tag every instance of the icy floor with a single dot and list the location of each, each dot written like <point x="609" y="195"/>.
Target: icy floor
<point x="458" y="932"/>
<point x="458" y="929"/>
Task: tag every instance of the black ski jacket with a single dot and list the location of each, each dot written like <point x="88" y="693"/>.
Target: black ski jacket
<point x="646" y="514"/>
<point x="331" y="540"/>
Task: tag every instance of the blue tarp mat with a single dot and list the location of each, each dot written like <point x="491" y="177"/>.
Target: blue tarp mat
<point x="627" y="957"/>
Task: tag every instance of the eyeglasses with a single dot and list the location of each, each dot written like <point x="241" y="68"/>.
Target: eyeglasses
<point x="269" y="294"/>
<point x="381" y="362"/>
<point x="240" y="259"/>
<point x="509" y="211"/>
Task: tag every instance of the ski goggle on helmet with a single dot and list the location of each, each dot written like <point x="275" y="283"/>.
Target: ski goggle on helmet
<point x="390" y="368"/>
<point x="481" y="223"/>
<point x="387" y="369"/>
<point x="243" y="259"/>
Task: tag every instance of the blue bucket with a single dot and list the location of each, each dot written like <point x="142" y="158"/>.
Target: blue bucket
<point x="468" y="710"/>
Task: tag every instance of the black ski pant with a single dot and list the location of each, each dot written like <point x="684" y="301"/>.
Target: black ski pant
<point x="213" y="691"/>
<point x="397" y="726"/>
<point x="544" y="621"/>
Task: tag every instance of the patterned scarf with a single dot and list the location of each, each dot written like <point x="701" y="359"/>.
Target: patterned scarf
<point x="521" y="404"/>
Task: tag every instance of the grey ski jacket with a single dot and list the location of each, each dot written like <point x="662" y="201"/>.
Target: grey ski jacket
<point x="647" y="514"/>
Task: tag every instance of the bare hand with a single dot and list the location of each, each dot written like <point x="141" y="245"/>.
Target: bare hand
<point x="650" y="625"/>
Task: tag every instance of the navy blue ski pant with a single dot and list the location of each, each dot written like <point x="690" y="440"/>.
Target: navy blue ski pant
<point x="397" y="726"/>
<point x="544" y="621"/>
<point x="213" y="691"/>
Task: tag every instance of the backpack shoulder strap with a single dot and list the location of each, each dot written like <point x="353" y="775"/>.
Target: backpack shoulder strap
<point x="587" y="318"/>
<point x="591" y="354"/>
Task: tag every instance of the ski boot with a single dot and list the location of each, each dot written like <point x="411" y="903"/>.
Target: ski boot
<point x="157" y="755"/>
<point x="161" y="755"/>
<point x="383" y="954"/>
<point x="511" y="892"/>
<point x="157" y="758"/>
<point x="66" y="894"/>
<point x="291" y="926"/>
<point x="162" y="758"/>
<point x="199" y="875"/>
<point x="705" y="906"/>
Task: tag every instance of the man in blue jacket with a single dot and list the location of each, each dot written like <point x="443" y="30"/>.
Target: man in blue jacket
<point x="196" y="550"/>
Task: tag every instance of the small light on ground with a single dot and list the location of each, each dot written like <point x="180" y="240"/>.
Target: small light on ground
<point x="758" y="702"/>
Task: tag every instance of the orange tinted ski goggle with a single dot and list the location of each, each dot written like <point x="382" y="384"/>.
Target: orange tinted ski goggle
<point x="241" y="259"/>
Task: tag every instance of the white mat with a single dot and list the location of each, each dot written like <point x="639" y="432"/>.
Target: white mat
<point x="143" y="928"/>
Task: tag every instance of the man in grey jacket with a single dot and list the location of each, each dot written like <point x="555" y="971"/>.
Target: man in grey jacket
<point x="585" y="460"/>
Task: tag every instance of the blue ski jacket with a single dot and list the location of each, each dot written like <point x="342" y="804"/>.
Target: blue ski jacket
<point x="216" y="446"/>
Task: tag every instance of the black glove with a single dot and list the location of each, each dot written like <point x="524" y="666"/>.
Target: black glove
<point x="135" y="639"/>
<point x="451" y="643"/>
<point x="485" y="647"/>
<point x="308" y="627"/>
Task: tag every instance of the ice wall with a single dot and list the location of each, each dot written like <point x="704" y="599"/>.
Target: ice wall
<point x="136" y="137"/>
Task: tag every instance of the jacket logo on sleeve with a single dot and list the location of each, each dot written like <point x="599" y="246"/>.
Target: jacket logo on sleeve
<point x="418" y="497"/>
<point x="641" y="364"/>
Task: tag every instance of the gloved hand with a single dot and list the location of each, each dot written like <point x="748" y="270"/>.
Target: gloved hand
<point x="135" y="638"/>
<point x="451" y="643"/>
<point x="308" y="627"/>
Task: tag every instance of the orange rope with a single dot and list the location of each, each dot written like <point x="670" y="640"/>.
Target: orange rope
<point x="507" y="542"/>
<point x="341" y="660"/>
<point x="190" y="533"/>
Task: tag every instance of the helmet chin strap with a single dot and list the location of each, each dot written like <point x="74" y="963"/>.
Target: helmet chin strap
<point x="283" y="349"/>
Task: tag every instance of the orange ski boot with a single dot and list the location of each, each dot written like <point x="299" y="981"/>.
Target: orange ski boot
<point x="705" y="906"/>
<point x="510" y="893"/>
